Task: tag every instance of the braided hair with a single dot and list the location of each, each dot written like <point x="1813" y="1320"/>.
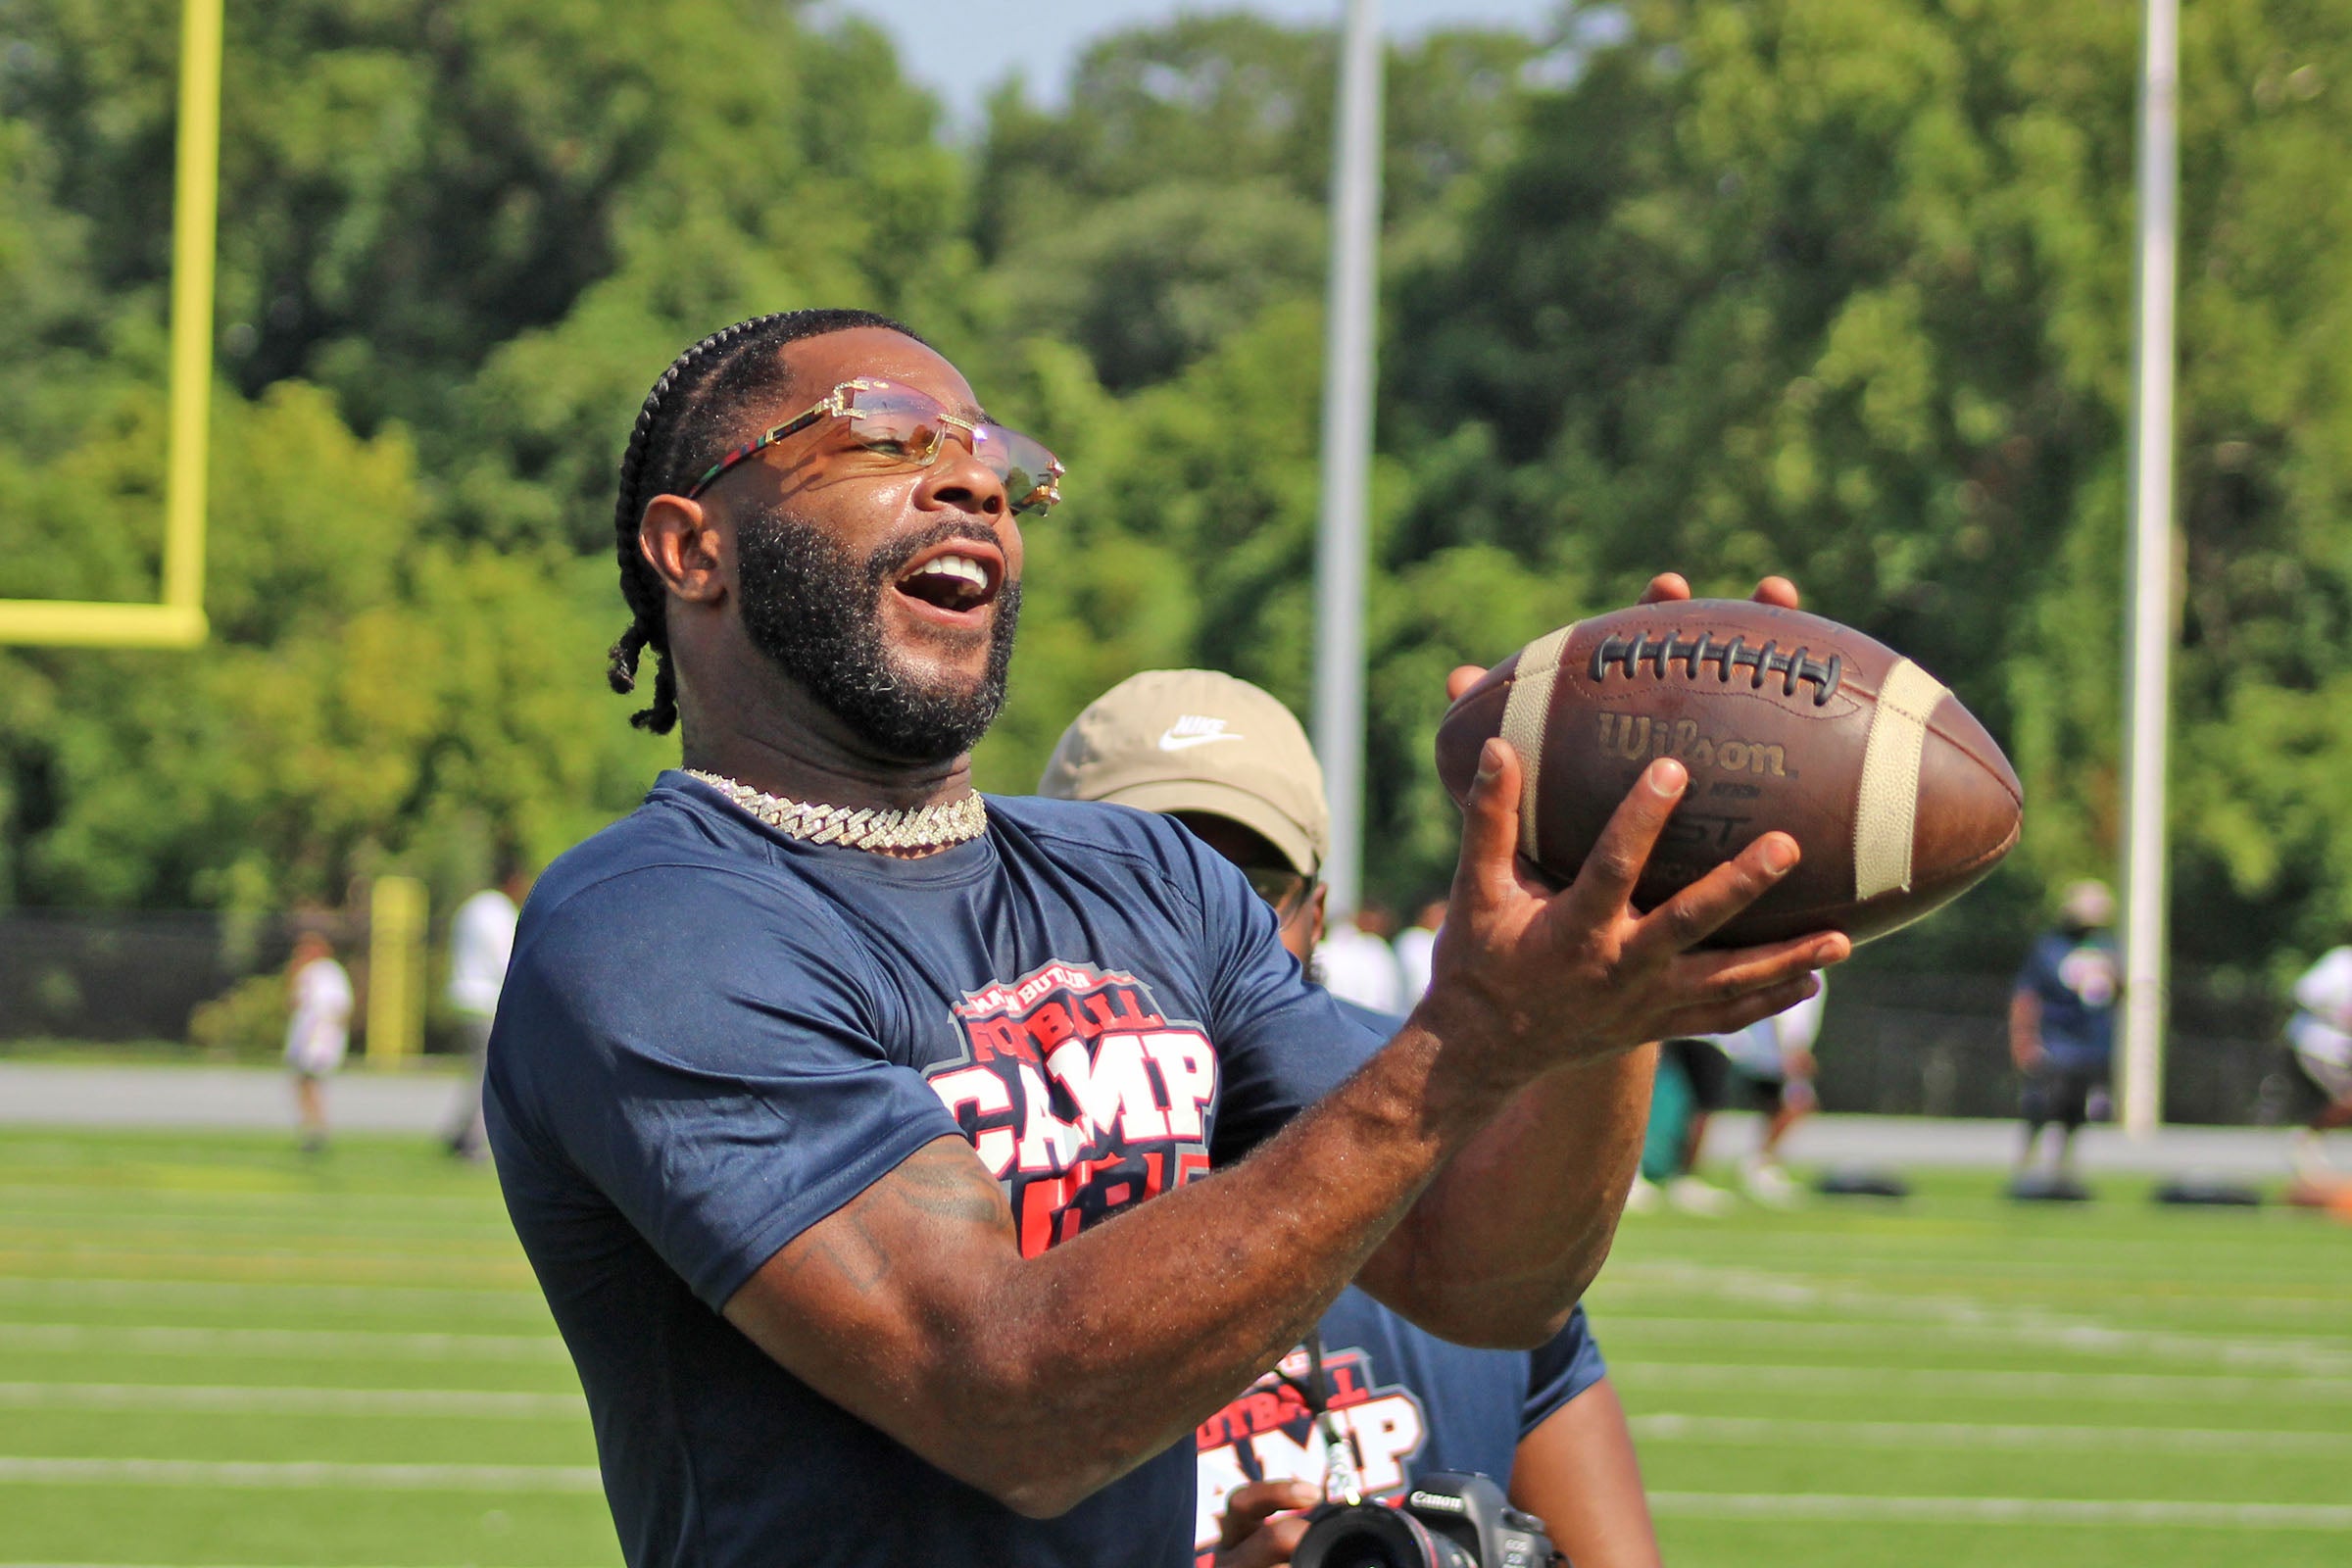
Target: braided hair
<point x="686" y="424"/>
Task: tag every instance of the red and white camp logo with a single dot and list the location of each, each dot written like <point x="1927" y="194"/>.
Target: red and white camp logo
<point x="1079" y="1096"/>
<point x="1267" y="1435"/>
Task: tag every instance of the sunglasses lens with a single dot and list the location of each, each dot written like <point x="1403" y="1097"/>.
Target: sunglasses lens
<point x="897" y="423"/>
<point x="1028" y="469"/>
<point x="1279" y="886"/>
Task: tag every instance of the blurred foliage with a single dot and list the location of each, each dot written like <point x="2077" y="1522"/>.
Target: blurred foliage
<point x="1835" y="288"/>
<point x="247" y="1022"/>
<point x="1843" y="289"/>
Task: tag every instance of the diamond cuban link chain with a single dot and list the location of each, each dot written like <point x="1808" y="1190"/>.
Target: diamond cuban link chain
<point x="865" y="827"/>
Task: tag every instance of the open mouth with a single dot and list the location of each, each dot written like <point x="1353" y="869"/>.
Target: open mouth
<point x="955" y="580"/>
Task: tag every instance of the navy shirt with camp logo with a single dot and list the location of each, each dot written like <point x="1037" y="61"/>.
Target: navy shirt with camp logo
<point x="713" y="1036"/>
<point x="1406" y="1403"/>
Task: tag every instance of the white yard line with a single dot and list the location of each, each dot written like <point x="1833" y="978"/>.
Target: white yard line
<point x="1649" y="1279"/>
<point x="470" y="1403"/>
<point x="308" y="1475"/>
<point x="2168" y="1514"/>
<point x="1815" y="1297"/>
<point x="523" y="1299"/>
<point x="2072" y="1386"/>
<point x="1672" y="1427"/>
<point x="275" y="1251"/>
<point x="157" y="1195"/>
<point x="2017" y="1260"/>
<point x="145" y="1211"/>
<point x="301" y="1344"/>
<point x="2013" y="1332"/>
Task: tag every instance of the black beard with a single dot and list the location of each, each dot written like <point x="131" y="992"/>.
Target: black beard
<point x="816" y="613"/>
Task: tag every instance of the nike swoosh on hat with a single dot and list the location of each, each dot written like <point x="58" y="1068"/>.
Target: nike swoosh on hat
<point x="1170" y="741"/>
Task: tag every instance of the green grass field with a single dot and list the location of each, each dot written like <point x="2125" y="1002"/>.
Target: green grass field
<point x="215" y="1352"/>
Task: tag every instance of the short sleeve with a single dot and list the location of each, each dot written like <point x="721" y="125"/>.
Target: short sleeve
<point x="1797" y="1028"/>
<point x="2040" y="969"/>
<point x="1283" y="1041"/>
<point x="2325" y="989"/>
<point x="1560" y="1370"/>
<point x="704" y="1059"/>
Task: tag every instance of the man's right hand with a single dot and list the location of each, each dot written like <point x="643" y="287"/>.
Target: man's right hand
<point x="1525" y="980"/>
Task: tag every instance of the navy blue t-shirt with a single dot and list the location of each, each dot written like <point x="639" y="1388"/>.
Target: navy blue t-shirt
<point x="2075" y="979"/>
<point x="712" y="1037"/>
<point x="1415" y="1404"/>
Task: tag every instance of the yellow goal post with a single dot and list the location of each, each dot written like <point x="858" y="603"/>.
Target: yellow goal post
<point x="178" y="620"/>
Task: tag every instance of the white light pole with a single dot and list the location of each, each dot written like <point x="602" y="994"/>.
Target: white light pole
<point x="1349" y="325"/>
<point x="2151" y="619"/>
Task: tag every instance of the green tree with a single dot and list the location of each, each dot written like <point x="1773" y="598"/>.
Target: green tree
<point x="1180" y="191"/>
<point x="1843" y="289"/>
<point x="457" y="242"/>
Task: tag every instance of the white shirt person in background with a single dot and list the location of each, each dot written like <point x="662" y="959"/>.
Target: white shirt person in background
<point x="1775" y="1055"/>
<point x="2321" y="1037"/>
<point x="1356" y="965"/>
<point x="317" y="1030"/>
<point x="1416" y="944"/>
<point x="482" y="941"/>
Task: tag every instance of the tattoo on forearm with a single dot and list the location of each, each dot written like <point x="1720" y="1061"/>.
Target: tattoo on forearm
<point x="847" y="1247"/>
<point x="942" y="1184"/>
<point x="951" y="1188"/>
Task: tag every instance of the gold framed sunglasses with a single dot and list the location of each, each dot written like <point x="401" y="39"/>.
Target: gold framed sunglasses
<point x="912" y="428"/>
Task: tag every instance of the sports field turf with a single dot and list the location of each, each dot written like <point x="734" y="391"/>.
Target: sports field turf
<point x="215" y="1352"/>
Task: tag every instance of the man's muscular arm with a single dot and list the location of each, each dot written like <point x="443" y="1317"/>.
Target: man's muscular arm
<point x="1579" y="1474"/>
<point x="1503" y="1242"/>
<point x="1042" y="1379"/>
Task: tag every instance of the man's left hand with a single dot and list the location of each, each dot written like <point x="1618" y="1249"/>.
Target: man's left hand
<point x="1262" y="1524"/>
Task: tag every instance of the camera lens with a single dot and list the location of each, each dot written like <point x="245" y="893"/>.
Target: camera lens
<point x="1370" y="1535"/>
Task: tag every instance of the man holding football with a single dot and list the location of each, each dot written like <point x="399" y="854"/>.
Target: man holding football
<point x="880" y="1150"/>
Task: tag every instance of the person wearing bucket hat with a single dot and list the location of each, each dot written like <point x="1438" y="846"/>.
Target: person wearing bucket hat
<point x="1231" y="762"/>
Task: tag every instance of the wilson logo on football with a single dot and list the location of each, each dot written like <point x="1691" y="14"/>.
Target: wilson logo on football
<point x="1636" y="737"/>
<point x="1079" y="1096"/>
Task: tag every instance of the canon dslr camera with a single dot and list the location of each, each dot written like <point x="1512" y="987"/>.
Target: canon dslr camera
<point x="1447" y="1521"/>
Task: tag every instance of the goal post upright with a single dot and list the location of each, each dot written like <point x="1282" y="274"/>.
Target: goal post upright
<point x="177" y="620"/>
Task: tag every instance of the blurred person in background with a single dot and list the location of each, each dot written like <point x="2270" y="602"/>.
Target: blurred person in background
<point x="1546" y="1424"/>
<point x="1777" y="1061"/>
<point x="482" y="941"/>
<point x="2319" y="1038"/>
<point x="1772" y="1060"/>
<point x="1698" y="1075"/>
<point x="1694" y="1080"/>
<point x="2062" y="1030"/>
<point x="1355" y="963"/>
<point x="1415" y="945"/>
<point x="317" y="1030"/>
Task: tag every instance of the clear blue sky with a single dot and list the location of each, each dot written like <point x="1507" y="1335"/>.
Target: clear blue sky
<point x="961" y="48"/>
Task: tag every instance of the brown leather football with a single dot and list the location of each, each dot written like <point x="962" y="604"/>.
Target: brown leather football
<point x="1899" y="798"/>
